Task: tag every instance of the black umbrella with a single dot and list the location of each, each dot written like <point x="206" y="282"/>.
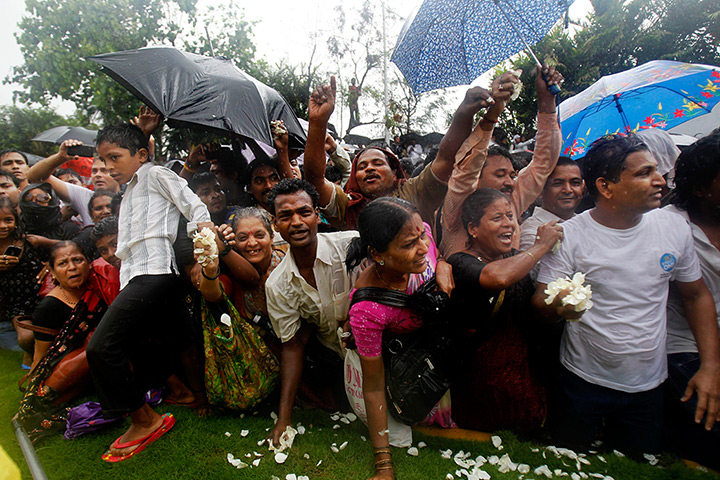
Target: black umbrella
<point x="189" y="89"/>
<point x="57" y="135"/>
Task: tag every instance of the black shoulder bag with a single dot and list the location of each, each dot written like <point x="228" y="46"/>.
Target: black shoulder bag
<point x="418" y="364"/>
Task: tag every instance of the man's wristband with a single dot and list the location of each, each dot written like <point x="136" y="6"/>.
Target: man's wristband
<point x="191" y="170"/>
<point x="489" y="120"/>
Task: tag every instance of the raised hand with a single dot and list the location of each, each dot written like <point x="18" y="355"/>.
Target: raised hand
<point x="147" y="120"/>
<point x="63" y="150"/>
<point x="322" y="101"/>
<point x="546" y="100"/>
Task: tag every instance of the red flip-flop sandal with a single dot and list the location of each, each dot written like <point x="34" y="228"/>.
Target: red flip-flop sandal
<point x="142" y="443"/>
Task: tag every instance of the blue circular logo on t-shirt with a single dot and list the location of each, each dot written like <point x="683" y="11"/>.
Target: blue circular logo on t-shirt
<point x="668" y="261"/>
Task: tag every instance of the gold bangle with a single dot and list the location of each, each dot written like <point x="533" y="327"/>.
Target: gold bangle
<point x="531" y="255"/>
<point x="381" y="450"/>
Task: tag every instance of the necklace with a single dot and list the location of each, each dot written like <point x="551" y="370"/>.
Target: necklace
<point x="62" y="290"/>
<point x="377" y="272"/>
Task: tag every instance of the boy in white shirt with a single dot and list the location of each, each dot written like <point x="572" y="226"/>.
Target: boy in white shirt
<point x="149" y="214"/>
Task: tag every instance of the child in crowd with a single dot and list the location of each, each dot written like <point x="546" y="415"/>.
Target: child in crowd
<point x="150" y="211"/>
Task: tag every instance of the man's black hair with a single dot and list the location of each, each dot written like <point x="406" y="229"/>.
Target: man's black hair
<point x="11" y="177"/>
<point x="333" y="173"/>
<point x="105" y="227"/>
<point x="499" y="150"/>
<point x="288" y="186"/>
<point x="607" y="157"/>
<point x="695" y="169"/>
<point x="200" y="179"/>
<point x="115" y="203"/>
<point x="67" y="171"/>
<point x="125" y="135"/>
<point x="12" y="150"/>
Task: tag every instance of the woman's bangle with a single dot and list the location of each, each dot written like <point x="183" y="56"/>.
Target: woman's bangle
<point x="191" y="170"/>
<point x="202" y="270"/>
<point x="489" y="120"/>
<point x="531" y="255"/>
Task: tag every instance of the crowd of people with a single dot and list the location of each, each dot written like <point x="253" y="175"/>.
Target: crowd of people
<point x="123" y="285"/>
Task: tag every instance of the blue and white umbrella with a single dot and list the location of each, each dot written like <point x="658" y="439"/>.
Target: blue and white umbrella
<point x="452" y="42"/>
<point x="658" y="94"/>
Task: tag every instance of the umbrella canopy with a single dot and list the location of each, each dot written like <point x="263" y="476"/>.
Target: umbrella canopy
<point x="57" y="135"/>
<point x="189" y="89"/>
<point x="452" y="42"/>
<point x="658" y="94"/>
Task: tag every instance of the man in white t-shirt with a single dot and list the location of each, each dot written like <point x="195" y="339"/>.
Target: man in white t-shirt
<point x="613" y="357"/>
<point x="74" y="195"/>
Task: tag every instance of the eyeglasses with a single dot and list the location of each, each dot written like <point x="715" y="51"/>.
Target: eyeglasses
<point x="38" y="197"/>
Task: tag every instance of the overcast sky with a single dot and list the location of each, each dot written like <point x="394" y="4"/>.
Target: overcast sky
<point x="284" y="34"/>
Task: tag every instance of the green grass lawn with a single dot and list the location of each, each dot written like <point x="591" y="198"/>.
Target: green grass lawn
<point x="197" y="449"/>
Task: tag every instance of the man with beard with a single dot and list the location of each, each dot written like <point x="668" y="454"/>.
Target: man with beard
<point x="307" y="297"/>
<point x="560" y="197"/>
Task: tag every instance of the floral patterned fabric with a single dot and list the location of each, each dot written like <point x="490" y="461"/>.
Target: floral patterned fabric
<point x="240" y="370"/>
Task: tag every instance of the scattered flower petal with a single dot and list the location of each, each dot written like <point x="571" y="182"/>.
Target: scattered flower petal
<point x="496" y="441"/>
<point x="523" y="468"/>
<point x="422" y="444"/>
<point x="227" y="434"/>
<point x="256" y="462"/>
<point x="413" y="451"/>
<point x="280" y="457"/>
<point x="543" y="470"/>
<point x="243" y="433"/>
<point x="343" y="445"/>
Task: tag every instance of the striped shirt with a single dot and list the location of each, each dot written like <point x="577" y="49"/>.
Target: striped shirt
<point x="149" y="215"/>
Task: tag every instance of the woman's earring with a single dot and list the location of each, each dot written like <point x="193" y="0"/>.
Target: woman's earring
<point x="381" y="262"/>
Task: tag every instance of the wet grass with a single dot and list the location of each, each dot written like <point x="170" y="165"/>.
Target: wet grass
<point x="197" y="449"/>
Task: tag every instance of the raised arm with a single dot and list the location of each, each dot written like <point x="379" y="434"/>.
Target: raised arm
<point x="44" y="169"/>
<point x="320" y="107"/>
<point x="501" y="274"/>
<point x="531" y="179"/>
<point x="282" y="141"/>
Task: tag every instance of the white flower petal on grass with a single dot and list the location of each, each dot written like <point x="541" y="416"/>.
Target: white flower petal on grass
<point x="300" y="430"/>
<point x="260" y="442"/>
<point x="362" y="437"/>
<point x="496" y="441"/>
<point x="422" y="444"/>
<point x="574" y="476"/>
<point x="483" y="475"/>
<point x="244" y="433"/>
<point x="336" y="426"/>
<point x="227" y="434"/>
<point x="449" y="476"/>
<point x="334" y="418"/>
<point x="535" y="450"/>
<point x="523" y="468"/>
<point x="345" y="421"/>
<point x="256" y="462"/>
<point x="480" y="460"/>
<point x="334" y="449"/>
<point x="303" y="477"/>
<point x="652" y="459"/>
<point x="319" y="462"/>
<point x="596" y="475"/>
<point x="543" y="470"/>
<point x="306" y="456"/>
<point x="446" y="454"/>
<point x="248" y="455"/>
<point x="280" y="457"/>
<point x="413" y="451"/>
<point x="290" y="476"/>
<point x="618" y="453"/>
<point x="257" y="454"/>
<point x="343" y="445"/>
<point x="601" y="458"/>
<point x="351" y="416"/>
<point x="493" y="459"/>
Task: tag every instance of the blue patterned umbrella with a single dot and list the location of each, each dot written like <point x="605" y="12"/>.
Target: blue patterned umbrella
<point x="453" y="42"/>
<point x="658" y="94"/>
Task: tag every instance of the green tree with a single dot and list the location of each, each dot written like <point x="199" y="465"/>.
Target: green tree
<point x="56" y="35"/>
<point x="20" y="124"/>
